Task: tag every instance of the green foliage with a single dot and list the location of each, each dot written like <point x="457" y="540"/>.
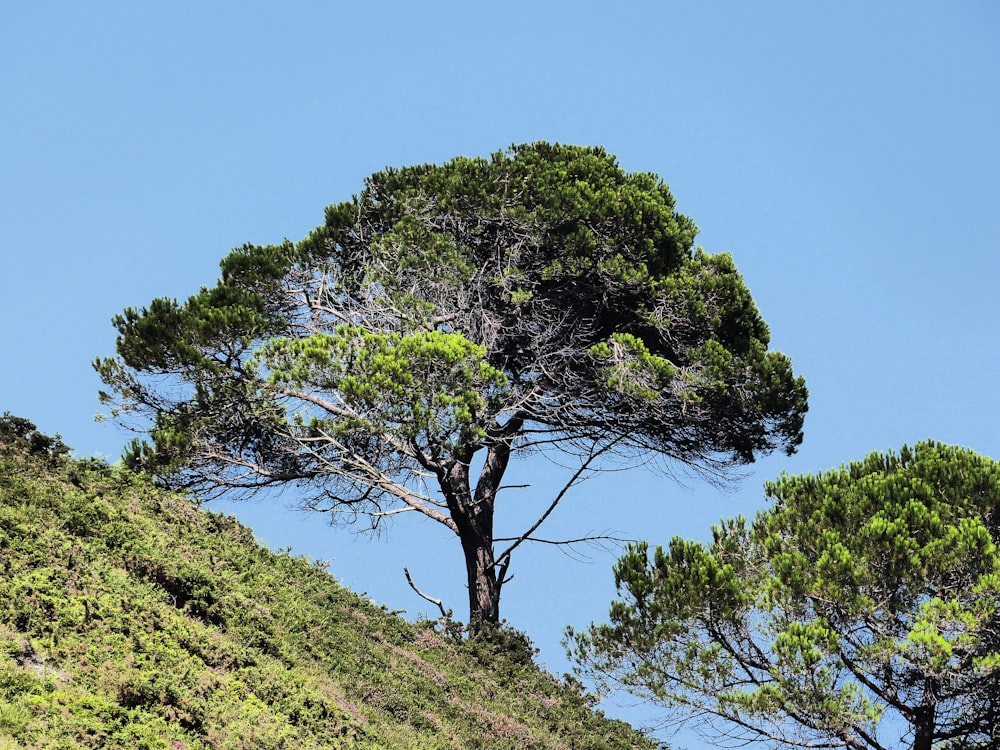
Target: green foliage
<point x="868" y="591"/>
<point x="535" y="257"/>
<point x="632" y="369"/>
<point x="18" y="431"/>
<point x="130" y="618"/>
<point x="429" y="387"/>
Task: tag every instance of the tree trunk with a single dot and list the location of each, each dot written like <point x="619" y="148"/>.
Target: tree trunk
<point x="473" y="515"/>
<point x="924" y="718"/>
<point x="923" y="732"/>
<point x="484" y="587"/>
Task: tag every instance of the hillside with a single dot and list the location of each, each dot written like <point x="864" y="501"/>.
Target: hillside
<point x="131" y="618"/>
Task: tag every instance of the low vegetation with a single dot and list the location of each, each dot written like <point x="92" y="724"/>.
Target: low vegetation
<point x="131" y="618"/>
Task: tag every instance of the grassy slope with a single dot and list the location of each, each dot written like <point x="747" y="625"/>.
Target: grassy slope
<point x="129" y="618"/>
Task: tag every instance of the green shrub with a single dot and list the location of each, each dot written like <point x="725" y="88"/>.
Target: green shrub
<point x="130" y="618"/>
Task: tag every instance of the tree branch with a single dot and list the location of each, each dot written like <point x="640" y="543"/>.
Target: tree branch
<point x="445" y="614"/>
<point x="558" y="498"/>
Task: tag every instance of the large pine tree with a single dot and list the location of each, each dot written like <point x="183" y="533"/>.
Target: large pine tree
<point x="456" y="316"/>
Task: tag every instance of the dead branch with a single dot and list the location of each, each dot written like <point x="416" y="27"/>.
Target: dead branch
<point x="445" y="614"/>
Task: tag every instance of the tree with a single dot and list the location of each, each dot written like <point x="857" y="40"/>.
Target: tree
<point x="540" y="300"/>
<point x="22" y="433"/>
<point x="866" y="599"/>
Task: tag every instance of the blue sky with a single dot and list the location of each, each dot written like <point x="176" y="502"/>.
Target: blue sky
<point x="846" y="154"/>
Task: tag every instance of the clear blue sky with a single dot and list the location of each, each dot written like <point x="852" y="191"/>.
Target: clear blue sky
<point x="847" y="154"/>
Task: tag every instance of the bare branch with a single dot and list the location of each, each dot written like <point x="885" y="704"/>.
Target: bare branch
<point x="578" y="475"/>
<point x="445" y="614"/>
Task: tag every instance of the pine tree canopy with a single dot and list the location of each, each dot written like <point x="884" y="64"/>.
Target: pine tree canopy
<point x="861" y="609"/>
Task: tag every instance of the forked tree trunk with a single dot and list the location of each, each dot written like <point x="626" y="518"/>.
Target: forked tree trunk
<point x="473" y="516"/>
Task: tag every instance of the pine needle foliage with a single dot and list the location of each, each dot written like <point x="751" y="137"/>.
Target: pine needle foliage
<point x="860" y="610"/>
